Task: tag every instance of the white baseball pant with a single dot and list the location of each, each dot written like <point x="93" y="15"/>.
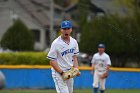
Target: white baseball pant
<point x="97" y="79"/>
<point x="61" y="85"/>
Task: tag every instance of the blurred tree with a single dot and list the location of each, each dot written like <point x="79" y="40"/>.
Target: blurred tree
<point x="18" y="37"/>
<point x="63" y="3"/>
<point x="120" y="35"/>
<point x="83" y="10"/>
<point x="132" y="5"/>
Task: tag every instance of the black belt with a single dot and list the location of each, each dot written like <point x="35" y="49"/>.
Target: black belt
<point x="100" y="70"/>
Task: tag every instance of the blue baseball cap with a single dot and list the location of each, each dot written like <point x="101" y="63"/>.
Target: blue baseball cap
<point x="66" y="24"/>
<point x="101" y="46"/>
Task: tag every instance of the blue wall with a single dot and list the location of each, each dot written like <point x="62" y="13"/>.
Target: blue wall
<point x="41" y="78"/>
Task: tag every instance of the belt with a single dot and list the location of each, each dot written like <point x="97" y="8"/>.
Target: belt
<point x="66" y="69"/>
<point x="101" y="70"/>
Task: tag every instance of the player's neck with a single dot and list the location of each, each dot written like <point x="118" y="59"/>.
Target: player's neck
<point x="66" y="39"/>
<point x="100" y="53"/>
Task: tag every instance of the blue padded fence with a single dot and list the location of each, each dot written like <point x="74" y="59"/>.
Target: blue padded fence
<point x="41" y="78"/>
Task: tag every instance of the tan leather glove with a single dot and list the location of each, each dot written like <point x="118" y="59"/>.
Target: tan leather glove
<point x="71" y="73"/>
<point x="105" y="75"/>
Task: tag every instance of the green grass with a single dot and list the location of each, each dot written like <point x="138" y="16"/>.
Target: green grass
<point x="75" y="91"/>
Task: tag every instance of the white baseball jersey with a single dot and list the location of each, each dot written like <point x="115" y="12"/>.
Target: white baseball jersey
<point x="63" y="53"/>
<point x="101" y="61"/>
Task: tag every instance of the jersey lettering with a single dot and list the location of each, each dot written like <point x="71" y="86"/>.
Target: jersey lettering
<point x="67" y="51"/>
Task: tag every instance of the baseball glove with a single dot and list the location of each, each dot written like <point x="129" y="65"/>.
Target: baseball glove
<point x="105" y="75"/>
<point x="70" y="74"/>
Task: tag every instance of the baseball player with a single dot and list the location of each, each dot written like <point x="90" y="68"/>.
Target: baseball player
<point x="63" y="59"/>
<point x="101" y="64"/>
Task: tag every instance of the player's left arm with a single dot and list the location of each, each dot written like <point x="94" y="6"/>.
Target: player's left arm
<point x="108" y="64"/>
<point x="75" y="61"/>
<point x="108" y="67"/>
<point x="105" y="75"/>
<point x="76" y="52"/>
<point x="75" y="58"/>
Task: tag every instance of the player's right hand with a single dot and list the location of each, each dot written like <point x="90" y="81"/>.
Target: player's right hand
<point x="66" y="75"/>
<point x="75" y="72"/>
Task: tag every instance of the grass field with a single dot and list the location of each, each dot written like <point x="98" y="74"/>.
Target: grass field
<point x="75" y="91"/>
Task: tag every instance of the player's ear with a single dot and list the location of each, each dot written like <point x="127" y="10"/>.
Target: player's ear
<point x="71" y="29"/>
<point x="61" y="29"/>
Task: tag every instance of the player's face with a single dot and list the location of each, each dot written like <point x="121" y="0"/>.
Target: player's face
<point x="66" y="32"/>
<point x="101" y="50"/>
